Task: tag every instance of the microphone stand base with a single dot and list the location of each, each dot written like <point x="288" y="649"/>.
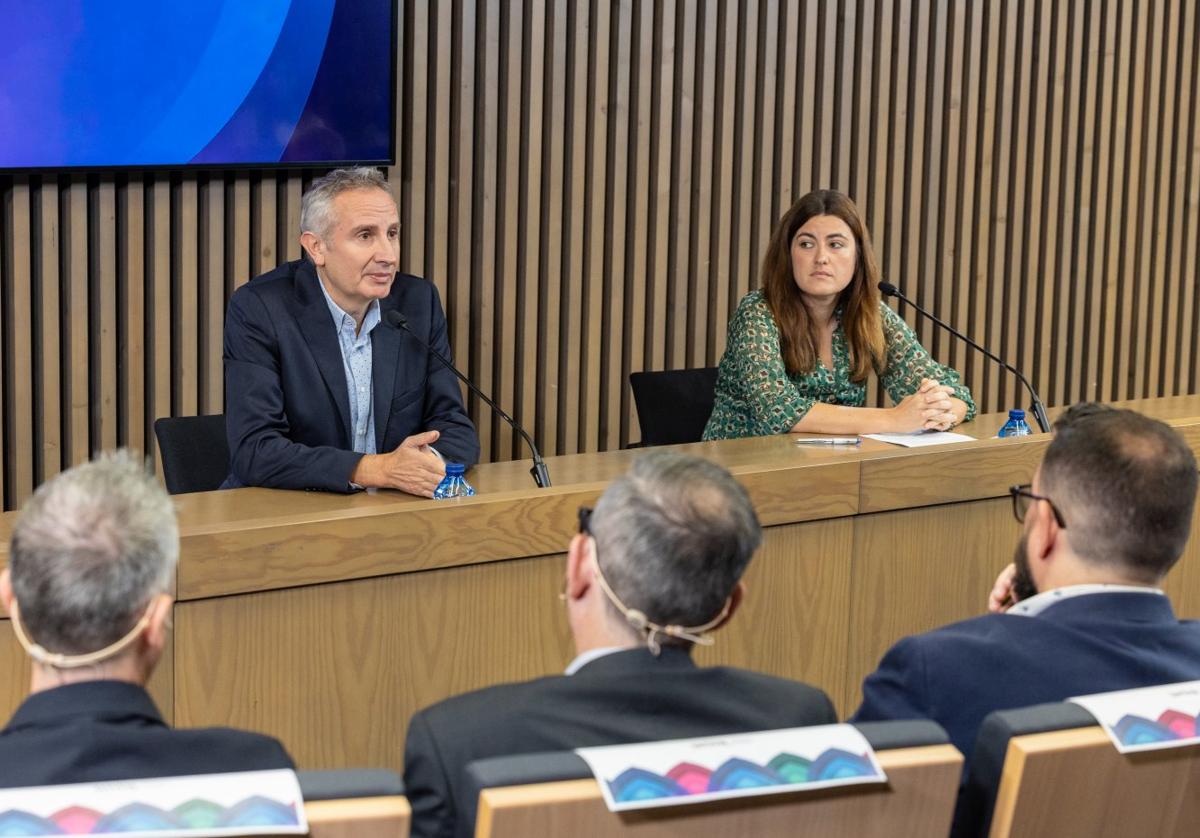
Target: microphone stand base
<point x="541" y="475"/>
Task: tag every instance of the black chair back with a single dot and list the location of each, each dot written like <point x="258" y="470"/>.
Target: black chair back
<point x="348" y="783"/>
<point x="977" y="797"/>
<point x="673" y="406"/>
<point x="194" y="451"/>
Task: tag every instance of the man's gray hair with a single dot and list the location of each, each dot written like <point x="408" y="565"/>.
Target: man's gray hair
<point x="316" y="207"/>
<point x="90" y="550"/>
<point x="673" y="537"/>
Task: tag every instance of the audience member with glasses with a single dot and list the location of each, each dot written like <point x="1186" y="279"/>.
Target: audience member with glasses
<point x="654" y="569"/>
<point x="1080" y="609"/>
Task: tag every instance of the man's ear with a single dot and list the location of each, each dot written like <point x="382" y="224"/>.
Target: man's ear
<point x="159" y="624"/>
<point x="735" y="599"/>
<point x="1044" y="532"/>
<point x="579" y="567"/>
<point x="314" y="246"/>
<point x="6" y="591"/>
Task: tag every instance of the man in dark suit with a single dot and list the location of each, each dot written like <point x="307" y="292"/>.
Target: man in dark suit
<point x="321" y="391"/>
<point x="91" y="563"/>
<point x="1080" y="610"/>
<point x="652" y="571"/>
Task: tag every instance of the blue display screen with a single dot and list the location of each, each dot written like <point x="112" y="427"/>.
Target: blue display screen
<point x="99" y="83"/>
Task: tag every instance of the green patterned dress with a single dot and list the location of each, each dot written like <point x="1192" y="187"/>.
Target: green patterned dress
<point x="757" y="397"/>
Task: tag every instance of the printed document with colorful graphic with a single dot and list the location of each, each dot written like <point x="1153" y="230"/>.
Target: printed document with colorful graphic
<point x="1147" y="719"/>
<point x="242" y="803"/>
<point x="684" y="771"/>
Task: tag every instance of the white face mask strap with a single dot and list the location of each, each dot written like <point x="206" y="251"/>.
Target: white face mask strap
<point x="61" y="661"/>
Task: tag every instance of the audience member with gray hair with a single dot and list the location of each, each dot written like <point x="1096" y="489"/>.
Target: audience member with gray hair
<point x="322" y="390"/>
<point x="88" y="591"/>
<point x="654" y="570"/>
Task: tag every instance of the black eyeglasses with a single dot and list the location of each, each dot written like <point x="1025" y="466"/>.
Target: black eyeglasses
<point x="585" y="520"/>
<point x="1023" y="498"/>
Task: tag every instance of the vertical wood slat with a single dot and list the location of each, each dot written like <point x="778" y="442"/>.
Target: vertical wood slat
<point x="1185" y="193"/>
<point x="577" y="207"/>
<point x="592" y="185"/>
<point x="104" y="316"/>
<point x="529" y="359"/>
<point x="48" y="349"/>
<point x="509" y="222"/>
<point x="616" y="230"/>
<point x="158" y="294"/>
<point x="212" y="284"/>
<point x="482" y="322"/>
<point x="132" y="277"/>
<point x="595" y="225"/>
<point x="462" y="115"/>
<point x="18" y="341"/>
<point x="75" y="306"/>
<point x="555" y="277"/>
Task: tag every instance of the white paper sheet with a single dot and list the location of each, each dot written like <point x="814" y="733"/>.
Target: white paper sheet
<point x="685" y="771"/>
<point x="263" y="802"/>
<point x="1147" y="719"/>
<point x="921" y="438"/>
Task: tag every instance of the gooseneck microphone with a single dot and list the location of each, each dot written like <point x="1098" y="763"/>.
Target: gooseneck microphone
<point x="541" y="475"/>
<point x="1039" y="410"/>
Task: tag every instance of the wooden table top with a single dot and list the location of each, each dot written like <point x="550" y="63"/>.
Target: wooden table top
<point x="252" y="539"/>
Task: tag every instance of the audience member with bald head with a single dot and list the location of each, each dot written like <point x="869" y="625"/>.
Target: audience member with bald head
<point x="88" y="590"/>
<point x="653" y="570"/>
<point x="1080" y="610"/>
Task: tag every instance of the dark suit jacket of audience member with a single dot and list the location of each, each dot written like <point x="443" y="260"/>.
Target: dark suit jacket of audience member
<point x="287" y="411"/>
<point x="1095" y="643"/>
<point x="110" y="730"/>
<point x="624" y="697"/>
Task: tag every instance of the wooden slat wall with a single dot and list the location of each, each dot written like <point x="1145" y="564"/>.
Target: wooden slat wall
<point x="591" y="185"/>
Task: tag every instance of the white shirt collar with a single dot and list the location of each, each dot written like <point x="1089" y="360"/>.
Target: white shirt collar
<point x="1037" y="604"/>
<point x="587" y="657"/>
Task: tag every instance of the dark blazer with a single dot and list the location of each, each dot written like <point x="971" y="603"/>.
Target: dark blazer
<point x="958" y="674"/>
<point x="628" y="696"/>
<point x="110" y="730"/>
<point x="287" y="411"/>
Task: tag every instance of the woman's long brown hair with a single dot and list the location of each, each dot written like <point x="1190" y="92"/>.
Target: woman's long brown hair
<point x="859" y="300"/>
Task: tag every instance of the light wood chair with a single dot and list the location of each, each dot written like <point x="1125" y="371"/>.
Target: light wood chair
<point x="365" y="817"/>
<point x="917" y="800"/>
<point x="1074" y="783"/>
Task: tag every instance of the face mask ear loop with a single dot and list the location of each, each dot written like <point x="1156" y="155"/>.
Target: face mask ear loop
<point x="61" y="661"/>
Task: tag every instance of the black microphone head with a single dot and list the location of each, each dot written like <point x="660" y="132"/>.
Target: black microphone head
<point x="396" y="319"/>
<point x="889" y="290"/>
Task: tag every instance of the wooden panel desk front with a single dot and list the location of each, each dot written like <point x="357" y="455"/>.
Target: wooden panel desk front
<point x="328" y="620"/>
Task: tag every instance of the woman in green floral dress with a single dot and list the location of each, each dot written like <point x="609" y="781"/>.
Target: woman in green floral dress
<point x="799" y="349"/>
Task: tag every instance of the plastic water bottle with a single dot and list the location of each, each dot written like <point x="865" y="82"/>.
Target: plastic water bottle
<point x="1016" y="425"/>
<point x="454" y="485"/>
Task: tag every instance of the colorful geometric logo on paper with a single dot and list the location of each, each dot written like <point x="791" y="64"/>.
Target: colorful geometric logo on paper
<point x="1170" y="725"/>
<point x="836" y="764"/>
<point x="791" y="768"/>
<point x="735" y="774"/>
<point x="1181" y="723"/>
<point x="141" y="817"/>
<point x="693" y="778"/>
<point x="639" y="784"/>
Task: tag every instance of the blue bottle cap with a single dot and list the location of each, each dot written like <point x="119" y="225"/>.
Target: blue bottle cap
<point x="1017" y="414"/>
<point x="455" y="469"/>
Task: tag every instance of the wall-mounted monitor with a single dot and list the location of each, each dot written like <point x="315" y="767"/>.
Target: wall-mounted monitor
<point x="152" y="83"/>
